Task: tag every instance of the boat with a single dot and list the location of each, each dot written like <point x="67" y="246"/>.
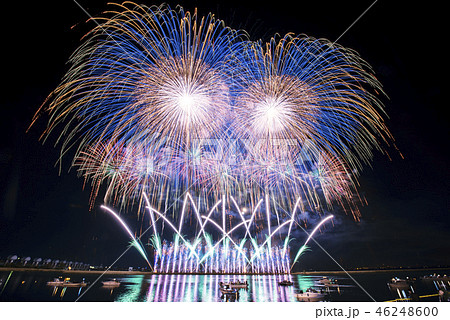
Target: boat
<point x="66" y="283"/>
<point x="285" y="283"/>
<point x="229" y="291"/>
<point x="310" y="295"/>
<point x="225" y="288"/>
<point x="328" y="282"/>
<point x="400" y="283"/>
<point x="111" y="283"/>
<point x="55" y="283"/>
<point x="239" y="285"/>
<point x="74" y="284"/>
<point x="234" y="284"/>
<point x="436" y="277"/>
<point x="229" y="294"/>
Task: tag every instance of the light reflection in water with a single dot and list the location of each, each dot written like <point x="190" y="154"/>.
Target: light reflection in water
<point x="62" y="291"/>
<point x="192" y="288"/>
<point x="133" y="286"/>
<point x="305" y="282"/>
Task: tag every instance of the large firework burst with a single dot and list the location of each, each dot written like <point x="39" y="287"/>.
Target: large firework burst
<point x="296" y="93"/>
<point x="146" y="81"/>
<point x="164" y="101"/>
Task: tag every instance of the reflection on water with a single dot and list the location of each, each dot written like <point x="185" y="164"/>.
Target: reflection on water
<point x="186" y="288"/>
<point x="133" y="288"/>
<point x="32" y="286"/>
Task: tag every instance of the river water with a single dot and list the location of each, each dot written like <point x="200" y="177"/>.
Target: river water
<point x="32" y="286"/>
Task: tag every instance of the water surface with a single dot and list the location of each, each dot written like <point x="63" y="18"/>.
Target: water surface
<point x="32" y="286"/>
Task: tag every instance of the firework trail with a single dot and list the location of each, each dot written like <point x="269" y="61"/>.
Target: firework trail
<point x="135" y="242"/>
<point x="304" y="247"/>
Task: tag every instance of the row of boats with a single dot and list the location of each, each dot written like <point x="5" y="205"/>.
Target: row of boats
<point x="407" y="282"/>
<point x="58" y="282"/>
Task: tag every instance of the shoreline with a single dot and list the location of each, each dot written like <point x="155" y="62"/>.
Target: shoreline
<point x="125" y="272"/>
<point x="22" y="269"/>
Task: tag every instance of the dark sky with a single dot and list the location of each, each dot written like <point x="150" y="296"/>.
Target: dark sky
<point x="406" y="220"/>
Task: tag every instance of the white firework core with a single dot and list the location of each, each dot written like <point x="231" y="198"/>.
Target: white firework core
<point x="270" y="115"/>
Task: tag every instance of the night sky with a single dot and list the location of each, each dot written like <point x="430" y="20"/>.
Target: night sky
<point x="406" y="223"/>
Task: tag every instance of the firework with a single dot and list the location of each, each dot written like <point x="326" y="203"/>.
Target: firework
<point x="297" y="92"/>
<point x="235" y="249"/>
<point x="146" y="81"/>
<point x="161" y="102"/>
<point x="135" y="243"/>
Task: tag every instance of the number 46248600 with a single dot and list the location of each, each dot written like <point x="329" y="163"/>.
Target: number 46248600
<point x="407" y="311"/>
